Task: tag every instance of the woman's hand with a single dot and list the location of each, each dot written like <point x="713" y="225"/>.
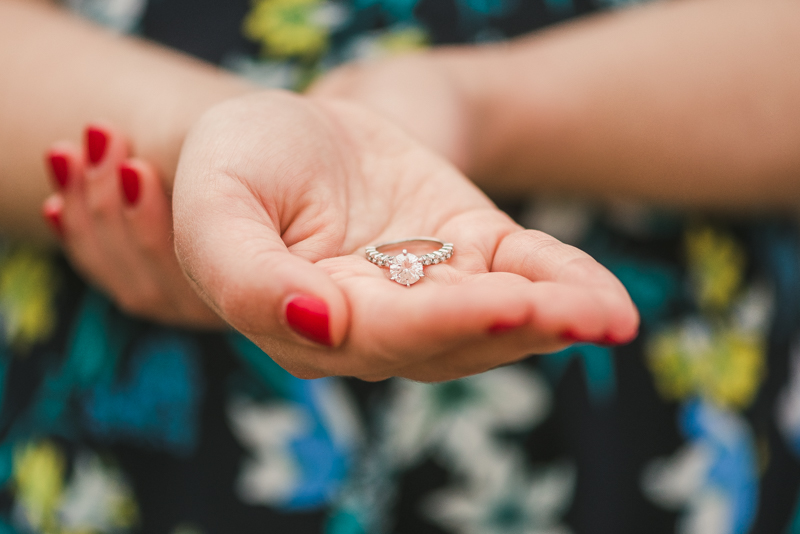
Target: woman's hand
<point x="414" y="91"/>
<point x="115" y="222"/>
<point x="276" y="197"/>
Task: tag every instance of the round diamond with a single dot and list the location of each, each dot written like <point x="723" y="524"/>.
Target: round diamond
<point x="406" y="269"/>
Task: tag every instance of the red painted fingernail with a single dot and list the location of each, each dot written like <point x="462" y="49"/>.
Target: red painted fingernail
<point x="59" y="168"/>
<point x="501" y="327"/>
<point x="129" y="179"/>
<point x="308" y="316"/>
<point x="96" y="141"/>
<point x="614" y="340"/>
<point x="52" y="214"/>
<point x="608" y="340"/>
<point x="572" y="337"/>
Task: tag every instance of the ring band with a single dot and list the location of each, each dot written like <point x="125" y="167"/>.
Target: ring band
<point x="406" y="268"/>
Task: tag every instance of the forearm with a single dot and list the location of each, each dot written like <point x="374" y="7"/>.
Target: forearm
<point x="690" y="103"/>
<point x="59" y="72"/>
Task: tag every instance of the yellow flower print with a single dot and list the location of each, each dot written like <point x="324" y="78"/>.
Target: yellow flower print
<point x="406" y="39"/>
<point x="27" y="289"/>
<point x="39" y="482"/>
<point x="716" y="264"/>
<point x="724" y="366"/>
<point x="291" y="28"/>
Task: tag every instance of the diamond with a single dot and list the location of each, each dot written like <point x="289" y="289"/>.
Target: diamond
<point x="406" y="269"/>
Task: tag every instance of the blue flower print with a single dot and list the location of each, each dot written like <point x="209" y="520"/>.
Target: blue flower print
<point x="158" y="404"/>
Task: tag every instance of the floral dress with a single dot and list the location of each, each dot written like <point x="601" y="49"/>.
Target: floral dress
<point x="109" y="424"/>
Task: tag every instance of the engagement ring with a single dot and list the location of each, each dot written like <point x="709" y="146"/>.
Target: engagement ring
<point x="406" y="268"/>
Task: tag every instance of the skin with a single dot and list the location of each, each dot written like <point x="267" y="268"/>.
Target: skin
<point x="124" y="248"/>
<point x="686" y="104"/>
<point x="666" y="103"/>
<point x="82" y="73"/>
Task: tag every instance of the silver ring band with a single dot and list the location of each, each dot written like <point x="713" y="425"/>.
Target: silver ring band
<point x="382" y="260"/>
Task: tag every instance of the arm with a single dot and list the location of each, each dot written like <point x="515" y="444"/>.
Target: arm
<point x="689" y="103"/>
<point x="59" y="72"/>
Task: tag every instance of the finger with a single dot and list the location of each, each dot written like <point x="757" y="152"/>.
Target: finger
<point x="64" y="163"/>
<point x="393" y="327"/>
<point x="481" y="354"/>
<point x="147" y="216"/>
<point x="98" y="246"/>
<point x="67" y="166"/>
<point x="106" y="148"/>
<point x="585" y="298"/>
<point x="246" y="273"/>
<point x="147" y="211"/>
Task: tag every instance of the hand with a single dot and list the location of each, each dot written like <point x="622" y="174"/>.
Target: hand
<point x="277" y="195"/>
<point x="115" y="222"/>
<point x="415" y="91"/>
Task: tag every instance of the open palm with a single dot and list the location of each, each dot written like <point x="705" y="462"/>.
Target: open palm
<point x="276" y="197"/>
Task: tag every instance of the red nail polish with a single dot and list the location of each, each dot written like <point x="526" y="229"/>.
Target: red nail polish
<point x="308" y="316"/>
<point x="572" y="337"/>
<point x="96" y="142"/>
<point x="129" y="180"/>
<point x="59" y="168"/>
<point x="52" y="214"/>
<point x="501" y="327"/>
<point x="608" y="340"/>
<point x="614" y="340"/>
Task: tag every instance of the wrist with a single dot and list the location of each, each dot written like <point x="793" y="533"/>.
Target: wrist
<point x="513" y="107"/>
<point x="473" y="71"/>
<point x="159" y="127"/>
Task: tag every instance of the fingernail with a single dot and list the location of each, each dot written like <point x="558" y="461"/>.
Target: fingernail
<point x="52" y="214"/>
<point x="308" y="316"/>
<point x="59" y="168"/>
<point x="572" y="337"/>
<point x="96" y="141"/>
<point x="129" y="179"/>
<point x="614" y="340"/>
<point x="501" y="327"/>
<point x="606" y="339"/>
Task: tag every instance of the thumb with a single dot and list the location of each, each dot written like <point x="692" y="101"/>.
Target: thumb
<point x="244" y="271"/>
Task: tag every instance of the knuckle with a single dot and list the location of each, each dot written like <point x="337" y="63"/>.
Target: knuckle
<point x="99" y="207"/>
